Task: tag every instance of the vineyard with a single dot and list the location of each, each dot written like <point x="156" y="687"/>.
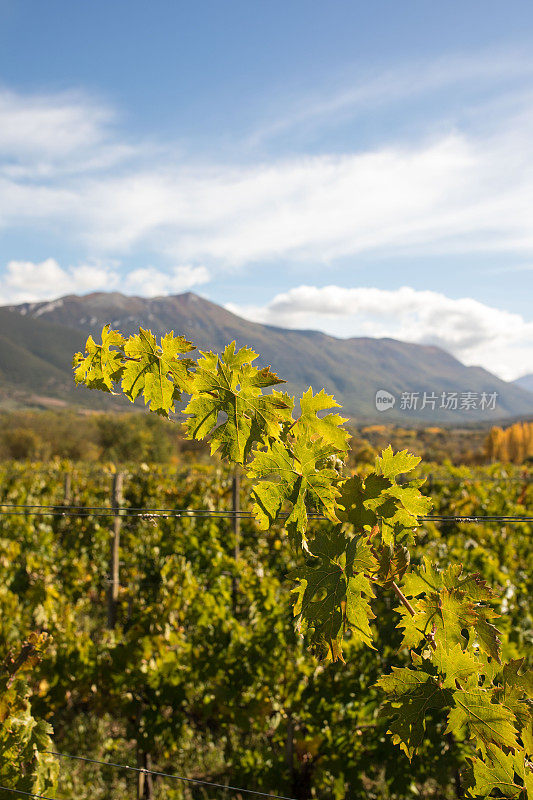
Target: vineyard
<point x="204" y="674"/>
<point x="157" y="624"/>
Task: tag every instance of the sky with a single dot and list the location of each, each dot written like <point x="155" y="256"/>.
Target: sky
<point x="365" y="169"/>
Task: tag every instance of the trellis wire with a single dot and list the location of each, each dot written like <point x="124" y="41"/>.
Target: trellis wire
<point x="182" y="778"/>
<point x="28" y="794"/>
<point x="168" y="513"/>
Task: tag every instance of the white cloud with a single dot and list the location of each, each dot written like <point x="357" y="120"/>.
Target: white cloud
<point x="452" y="195"/>
<point x="42" y="135"/>
<point x="151" y="282"/>
<point x="475" y="333"/>
<point x="65" y="170"/>
<point x="26" y="281"/>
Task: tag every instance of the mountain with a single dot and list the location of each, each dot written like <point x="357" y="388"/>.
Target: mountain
<point x="35" y="359"/>
<point x="39" y="334"/>
<point x="525" y="382"/>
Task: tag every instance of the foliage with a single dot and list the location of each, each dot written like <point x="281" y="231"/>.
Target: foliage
<point x="122" y="438"/>
<point x="219" y="679"/>
<point x="513" y="444"/>
<point x="25" y="763"/>
<point x="298" y="462"/>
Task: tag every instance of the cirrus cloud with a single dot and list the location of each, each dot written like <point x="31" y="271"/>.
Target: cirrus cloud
<point x="66" y="171"/>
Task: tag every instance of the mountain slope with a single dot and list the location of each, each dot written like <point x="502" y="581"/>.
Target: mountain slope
<point x="35" y="359"/>
<point x="525" y="382"/>
<point x="352" y="369"/>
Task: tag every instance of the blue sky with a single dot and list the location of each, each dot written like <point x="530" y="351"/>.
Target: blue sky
<point x="361" y="168"/>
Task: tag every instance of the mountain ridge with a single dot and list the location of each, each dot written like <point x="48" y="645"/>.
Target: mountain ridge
<point x="352" y="369"/>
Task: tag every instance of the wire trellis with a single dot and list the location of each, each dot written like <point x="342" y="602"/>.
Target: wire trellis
<point x="7" y="509"/>
<point x="170" y="775"/>
<point x="27" y="794"/>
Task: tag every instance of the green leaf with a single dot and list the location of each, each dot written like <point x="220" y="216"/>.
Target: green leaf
<point x="487" y="722"/>
<point x="487" y="634"/>
<point x="329" y="427"/>
<point x="517" y="678"/>
<point x="451" y="604"/>
<point x="334" y="592"/>
<point x="378" y="500"/>
<point x="431" y="579"/>
<point x="156" y="370"/>
<point x="294" y="473"/>
<point x="440" y="617"/>
<point x="355" y="501"/>
<point x="412" y="693"/>
<point x="102" y="366"/>
<point x="392" y="464"/>
<point x="228" y="386"/>
<point x="393" y="563"/>
<point x="496" y="771"/>
<point x="516" y="692"/>
<point x="455" y="665"/>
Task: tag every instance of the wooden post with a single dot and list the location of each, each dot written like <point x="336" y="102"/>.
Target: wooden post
<point x="289" y="747"/>
<point x="145" y="784"/>
<point x="114" y="570"/>
<point x="236" y="507"/>
<point x="67" y="489"/>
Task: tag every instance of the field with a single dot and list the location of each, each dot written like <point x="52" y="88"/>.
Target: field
<point x="204" y="675"/>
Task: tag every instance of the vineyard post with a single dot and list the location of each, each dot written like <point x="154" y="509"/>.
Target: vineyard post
<point x="67" y="489"/>
<point x="145" y="784"/>
<point x="114" y="571"/>
<point x="289" y="747"/>
<point x="236" y="506"/>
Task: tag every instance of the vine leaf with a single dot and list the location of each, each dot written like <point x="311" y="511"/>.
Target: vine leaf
<point x="334" y="593"/>
<point x="411" y="694"/>
<point x="393" y="563"/>
<point x="390" y="464"/>
<point x="487" y="722"/>
<point x="356" y="500"/>
<point x="516" y="680"/>
<point x="156" y="371"/>
<point x="296" y="473"/>
<point x="328" y="428"/>
<point x="230" y="386"/>
<point x="487" y="634"/>
<point x="443" y="616"/>
<point x="455" y="665"/>
<point x="433" y="579"/>
<point x="379" y="500"/>
<point x="516" y="692"/>
<point x="102" y="366"/>
<point x="496" y="771"/>
<point x="450" y="605"/>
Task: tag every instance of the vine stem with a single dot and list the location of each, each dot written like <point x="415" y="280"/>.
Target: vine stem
<point x="403" y="599"/>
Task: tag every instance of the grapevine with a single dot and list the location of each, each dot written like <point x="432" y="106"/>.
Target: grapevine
<point x="24" y="740"/>
<point x="296" y="463"/>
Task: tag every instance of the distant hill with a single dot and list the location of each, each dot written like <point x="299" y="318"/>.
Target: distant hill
<point x="39" y="339"/>
<point x="35" y="364"/>
<point x="525" y="382"/>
